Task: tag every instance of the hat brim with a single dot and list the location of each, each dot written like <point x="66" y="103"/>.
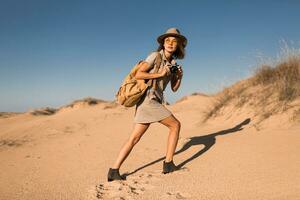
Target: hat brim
<point x="161" y="38"/>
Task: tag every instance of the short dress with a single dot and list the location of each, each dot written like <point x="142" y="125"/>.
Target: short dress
<point x="151" y="107"/>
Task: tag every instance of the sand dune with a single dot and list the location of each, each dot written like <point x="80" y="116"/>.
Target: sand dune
<point x="241" y="143"/>
<point x="66" y="154"/>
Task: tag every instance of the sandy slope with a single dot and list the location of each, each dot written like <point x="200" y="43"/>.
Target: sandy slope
<point x="67" y="155"/>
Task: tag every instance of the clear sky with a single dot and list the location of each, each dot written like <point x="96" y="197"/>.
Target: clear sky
<point x="55" y="51"/>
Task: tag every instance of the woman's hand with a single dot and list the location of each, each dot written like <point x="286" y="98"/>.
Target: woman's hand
<point x="179" y="72"/>
<point x="176" y="79"/>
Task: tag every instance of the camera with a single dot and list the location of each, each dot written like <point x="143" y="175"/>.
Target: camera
<point x="174" y="68"/>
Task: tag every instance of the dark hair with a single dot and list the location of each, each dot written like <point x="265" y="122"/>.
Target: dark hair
<point x="180" y="51"/>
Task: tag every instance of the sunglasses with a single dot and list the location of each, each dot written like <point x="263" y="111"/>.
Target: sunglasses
<point x="170" y="41"/>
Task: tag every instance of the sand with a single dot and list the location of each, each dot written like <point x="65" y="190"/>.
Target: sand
<point x="67" y="155"/>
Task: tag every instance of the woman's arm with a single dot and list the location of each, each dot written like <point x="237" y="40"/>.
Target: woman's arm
<point x="142" y="72"/>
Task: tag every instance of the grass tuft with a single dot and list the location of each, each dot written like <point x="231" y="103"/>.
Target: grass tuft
<point x="278" y="80"/>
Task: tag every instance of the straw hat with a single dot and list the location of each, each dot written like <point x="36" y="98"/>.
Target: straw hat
<point x="172" y="32"/>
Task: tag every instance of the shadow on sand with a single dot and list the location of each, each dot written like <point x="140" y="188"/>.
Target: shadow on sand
<point x="207" y="140"/>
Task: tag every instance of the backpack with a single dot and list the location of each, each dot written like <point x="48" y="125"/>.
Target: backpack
<point x="132" y="90"/>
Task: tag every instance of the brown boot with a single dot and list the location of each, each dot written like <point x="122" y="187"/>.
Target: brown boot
<point x="169" y="167"/>
<point x="114" y="174"/>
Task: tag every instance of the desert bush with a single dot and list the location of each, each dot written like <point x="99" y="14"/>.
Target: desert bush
<point x="221" y="100"/>
<point x="279" y="79"/>
<point x="87" y="100"/>
<point x="263" y="75"/>
<point x="44" y="111"/>
<point x="284" y="77"/>
<point x="296" y="115"/>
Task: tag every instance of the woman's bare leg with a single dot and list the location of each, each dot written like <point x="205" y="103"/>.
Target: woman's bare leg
<point x="174" y="128"/>
<point x="137" y="133"/>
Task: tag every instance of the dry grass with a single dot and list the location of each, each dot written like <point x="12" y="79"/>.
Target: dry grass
<point x="51" y="111"/>
<point x="285" y="77"/>
<point x="279" y="83"/>
<point x="296" y="116"/>
<point x="225" y="97"/>
<point x="87" y="100"/>
<point x="199" y="94"/>
<point x="43" y="111"/>
<point x="9" y="114"/>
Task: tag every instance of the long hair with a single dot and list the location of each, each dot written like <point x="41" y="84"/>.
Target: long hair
<point x="180" y="51"/>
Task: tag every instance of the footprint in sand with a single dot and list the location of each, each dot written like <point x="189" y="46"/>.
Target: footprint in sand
<point x="128" y="189"/>
<point x="176" y="195"/>
<point x="132" y="187"/>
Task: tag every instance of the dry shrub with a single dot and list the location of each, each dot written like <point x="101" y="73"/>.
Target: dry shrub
<point x="288" y="81"/>
<point x="263" y="75"/>
<point x="199" y="94"/>
<point x="222" y="99"/>
<point x="225" y="97"/>
<point x="284" y="77"/>
<point x="242" y="100"/>
<point x="8" y="114"/>
<point x="280" y="82"/>
<point x="44" y="111"/>
<point x="296" y="116"/>
<point x="87" y="100"/>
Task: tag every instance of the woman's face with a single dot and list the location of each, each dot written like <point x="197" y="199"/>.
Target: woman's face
<point x="170" y="44"/>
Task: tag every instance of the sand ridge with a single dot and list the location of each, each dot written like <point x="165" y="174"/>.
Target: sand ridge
<point x="66" y="155"/>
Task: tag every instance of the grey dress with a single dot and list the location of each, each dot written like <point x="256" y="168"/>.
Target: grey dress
<point x="151" y="107"/>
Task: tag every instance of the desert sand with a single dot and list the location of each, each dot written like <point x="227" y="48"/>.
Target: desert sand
<point x="66" y="154"/>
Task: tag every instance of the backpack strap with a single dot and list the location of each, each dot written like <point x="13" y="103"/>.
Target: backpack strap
<point x="156" y="67"/>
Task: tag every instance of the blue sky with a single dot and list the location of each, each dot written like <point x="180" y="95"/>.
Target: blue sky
<point x="54" y="52"/>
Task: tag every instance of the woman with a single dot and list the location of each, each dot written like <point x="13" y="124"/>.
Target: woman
<point x="151" y="107"/>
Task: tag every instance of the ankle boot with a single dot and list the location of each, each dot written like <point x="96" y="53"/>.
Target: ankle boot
<point x="169" y="167"/>
<point x="114" y="174"/>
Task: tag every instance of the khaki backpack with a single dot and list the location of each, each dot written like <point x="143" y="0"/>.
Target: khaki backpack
<point x="132" y="89"/>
